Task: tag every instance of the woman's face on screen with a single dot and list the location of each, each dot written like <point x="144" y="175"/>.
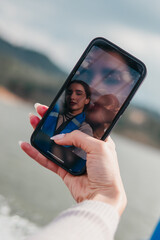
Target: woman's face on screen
<point x="76" y="98"/>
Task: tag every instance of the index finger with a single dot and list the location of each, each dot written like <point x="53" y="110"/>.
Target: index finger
<point x="41" y="109"/>
<point x="81" y="140"/>
<point x="45" y="162"/>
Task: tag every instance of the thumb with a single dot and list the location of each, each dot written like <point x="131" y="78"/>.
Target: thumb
<point x="77" y="139"/>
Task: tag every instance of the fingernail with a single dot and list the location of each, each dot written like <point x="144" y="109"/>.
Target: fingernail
<point x="36" y="105"/>
<point x="31" y="115"/>
<point x="20" y="142"/>
<point x="56" y="137"/>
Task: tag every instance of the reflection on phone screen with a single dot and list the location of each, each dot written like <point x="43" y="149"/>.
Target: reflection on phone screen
<point x="90" y="101"/>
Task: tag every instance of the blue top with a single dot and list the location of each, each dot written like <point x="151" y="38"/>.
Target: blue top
<point x="50" y="123"/>
<point x="156" y="233"/>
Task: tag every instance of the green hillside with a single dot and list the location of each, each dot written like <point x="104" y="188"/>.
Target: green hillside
<point x="29" y="74"/>
<point x="140" y="124"/>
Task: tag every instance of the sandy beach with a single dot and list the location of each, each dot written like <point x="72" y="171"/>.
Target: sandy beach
<point x="9" y="97"/>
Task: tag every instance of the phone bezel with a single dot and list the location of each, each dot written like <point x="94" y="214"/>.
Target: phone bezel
<point x="131" y="61"/>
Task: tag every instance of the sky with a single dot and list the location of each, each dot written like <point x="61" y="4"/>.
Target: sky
<point x="63" y="29"/>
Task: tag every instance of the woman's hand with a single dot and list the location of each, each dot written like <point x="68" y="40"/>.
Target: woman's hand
<point x="102" y="181"/>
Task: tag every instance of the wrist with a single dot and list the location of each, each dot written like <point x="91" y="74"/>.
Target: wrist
<point x="117" y="200"/>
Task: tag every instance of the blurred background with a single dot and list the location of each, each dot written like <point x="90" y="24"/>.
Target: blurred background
<point x="40" y="42"/>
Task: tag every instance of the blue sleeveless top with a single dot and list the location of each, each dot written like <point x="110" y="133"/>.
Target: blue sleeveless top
<point x="50" y="124"/>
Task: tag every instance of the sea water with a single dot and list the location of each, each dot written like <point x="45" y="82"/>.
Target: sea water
<point x="12" y="226"/>
<point x="31" y="196"/>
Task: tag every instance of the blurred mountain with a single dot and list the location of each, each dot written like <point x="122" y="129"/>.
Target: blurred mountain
<point x="29" y="74"/>
<point x="140" y="124"/>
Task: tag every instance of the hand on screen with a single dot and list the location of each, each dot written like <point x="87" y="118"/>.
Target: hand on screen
<point x="102" y="181"/>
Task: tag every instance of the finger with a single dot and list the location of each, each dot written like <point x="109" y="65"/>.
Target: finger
<point x="38" y="157"/>
<point x="78" y="139"/>
<point x="41" y="109"/>
<point x="34" y="120"/>
<point x="107" y="138"/>
<point x="110" y="141"/>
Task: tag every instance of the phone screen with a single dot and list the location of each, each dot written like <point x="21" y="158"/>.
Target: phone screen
<point x="90" y="101"/>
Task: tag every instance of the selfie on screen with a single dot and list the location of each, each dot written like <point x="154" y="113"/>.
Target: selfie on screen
<point x="92" y="97"/>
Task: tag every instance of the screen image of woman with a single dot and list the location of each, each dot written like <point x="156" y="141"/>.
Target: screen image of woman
<point x="70" y="116"/>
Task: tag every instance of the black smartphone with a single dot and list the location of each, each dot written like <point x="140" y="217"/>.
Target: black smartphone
<point x="94" y="96"/>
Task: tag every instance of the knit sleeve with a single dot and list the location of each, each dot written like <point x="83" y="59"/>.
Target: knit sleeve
<point x="87" y="220"/>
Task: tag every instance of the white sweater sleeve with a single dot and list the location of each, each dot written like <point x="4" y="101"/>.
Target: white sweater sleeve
<point x="87" y="220"/>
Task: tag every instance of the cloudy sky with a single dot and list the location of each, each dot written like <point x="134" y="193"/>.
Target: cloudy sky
<point x="62" y="30"/>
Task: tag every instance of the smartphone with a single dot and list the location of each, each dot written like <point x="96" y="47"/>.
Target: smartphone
<point x="92" y="99"/>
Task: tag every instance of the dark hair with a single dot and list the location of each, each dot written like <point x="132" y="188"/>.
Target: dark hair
<point x="84" y="84"/>
<point x="86" y="88"/>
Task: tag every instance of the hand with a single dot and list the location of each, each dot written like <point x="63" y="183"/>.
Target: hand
<point x="102" y="182"/>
